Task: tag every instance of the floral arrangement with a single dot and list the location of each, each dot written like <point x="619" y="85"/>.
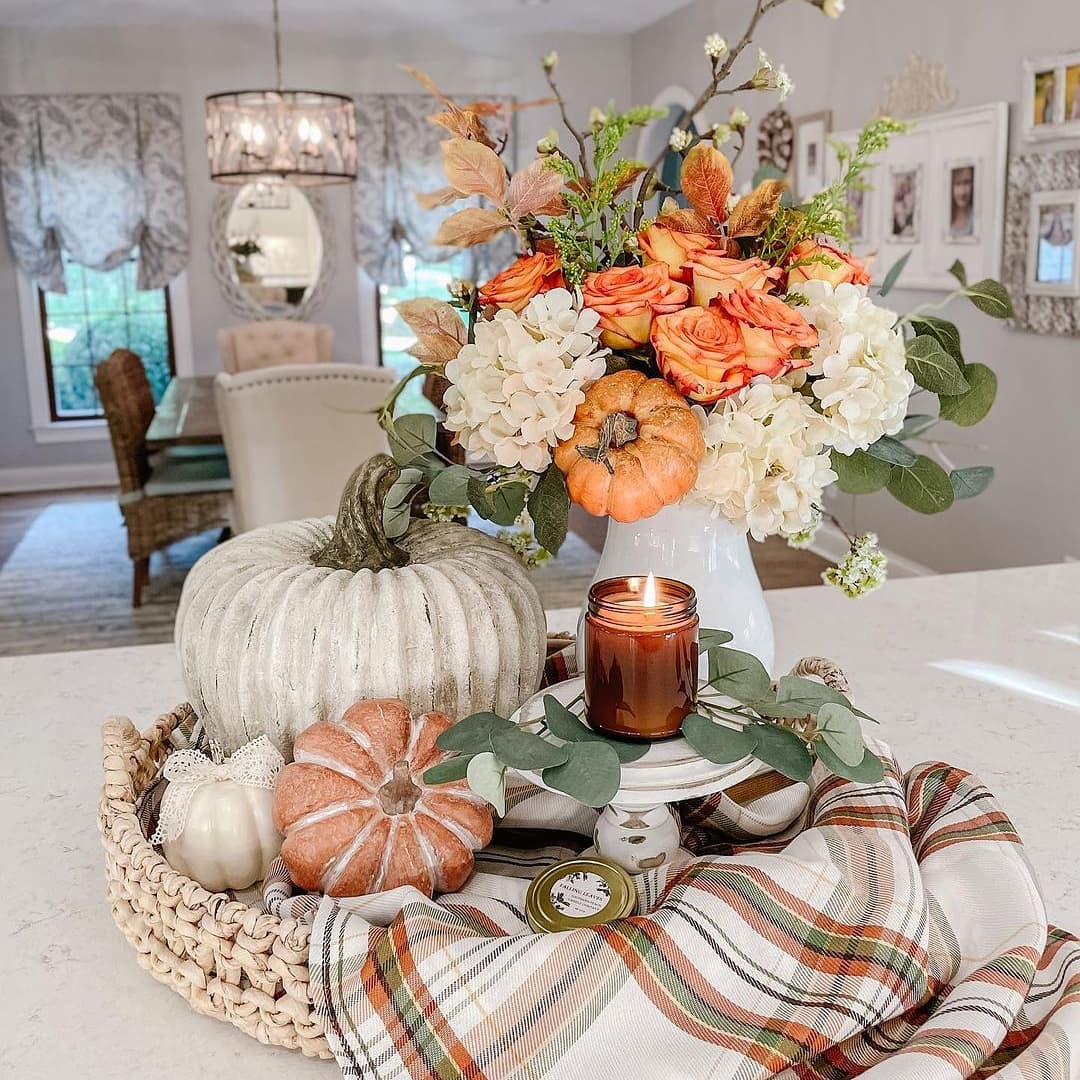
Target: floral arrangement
<point x="723" y="349"/>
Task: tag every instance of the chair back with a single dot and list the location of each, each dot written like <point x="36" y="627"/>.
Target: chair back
<point x="128" y="402"/>
<point x="295" y="433"/>
<point x="273" y="342"/>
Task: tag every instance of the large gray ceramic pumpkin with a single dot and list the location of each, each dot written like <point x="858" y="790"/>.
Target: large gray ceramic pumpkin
<point x="293" y="623"/>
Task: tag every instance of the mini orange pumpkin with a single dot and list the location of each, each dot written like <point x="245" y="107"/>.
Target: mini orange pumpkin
<point x="358" y="817"/>
<point x="635" y="447"/>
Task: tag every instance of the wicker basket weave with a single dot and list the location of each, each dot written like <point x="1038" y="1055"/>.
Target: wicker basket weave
<point x="229" y="960"/>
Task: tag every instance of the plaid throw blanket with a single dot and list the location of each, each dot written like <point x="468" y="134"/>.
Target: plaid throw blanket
<point x="822" y="932"/>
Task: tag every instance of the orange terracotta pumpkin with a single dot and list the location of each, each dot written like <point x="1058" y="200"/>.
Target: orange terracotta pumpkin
<point x="357" y="816"/>
<point x="635" y="448"/>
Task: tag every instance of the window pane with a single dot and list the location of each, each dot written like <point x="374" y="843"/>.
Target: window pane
<point x="102" y="311"/>
<point x="421" y="279"/>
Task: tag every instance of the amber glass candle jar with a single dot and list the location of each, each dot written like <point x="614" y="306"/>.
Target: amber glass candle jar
<point x="641" y="656"/>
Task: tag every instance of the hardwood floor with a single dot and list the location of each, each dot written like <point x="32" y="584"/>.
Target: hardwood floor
<point x="65" y="577"/>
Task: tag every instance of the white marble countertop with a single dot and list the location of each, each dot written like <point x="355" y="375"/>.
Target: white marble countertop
<point x="981" y="670"/>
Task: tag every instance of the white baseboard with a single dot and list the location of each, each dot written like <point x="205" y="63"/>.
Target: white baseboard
<point x="58" y="477"/>
<point x="830" y="543"/>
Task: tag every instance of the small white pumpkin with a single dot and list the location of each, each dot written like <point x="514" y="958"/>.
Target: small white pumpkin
<point x="291" y="624"/>
<point x="216" y="823"/>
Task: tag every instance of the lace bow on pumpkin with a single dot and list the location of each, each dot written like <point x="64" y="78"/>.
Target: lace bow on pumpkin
<point x="254" y="765"/>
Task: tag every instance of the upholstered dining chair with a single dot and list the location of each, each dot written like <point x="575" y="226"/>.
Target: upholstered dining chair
<point x="295" y="433"/>
<point x="162" y="499"/>
<point x="273" y="342"/>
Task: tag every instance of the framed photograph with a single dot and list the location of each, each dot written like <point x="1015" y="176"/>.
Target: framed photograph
<point x="961" y="201"/>
<point x="811" y="133"/>
<point x="905" y="198"/>
<point x="1053" y="264"/>
<point x="859" y="200"/>
<point x="1051" y="96"/>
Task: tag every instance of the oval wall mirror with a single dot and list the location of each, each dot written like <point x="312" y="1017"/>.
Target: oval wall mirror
<point x="272" y="250"/>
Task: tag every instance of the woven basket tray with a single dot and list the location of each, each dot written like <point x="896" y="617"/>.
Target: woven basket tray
<point x="229" y="960"/>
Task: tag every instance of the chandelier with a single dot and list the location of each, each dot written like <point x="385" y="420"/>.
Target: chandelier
<point x="303" y="136"/>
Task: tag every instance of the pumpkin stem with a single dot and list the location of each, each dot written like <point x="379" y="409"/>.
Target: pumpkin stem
<point x="399" y="795"/>
<point x="359" y="540"/>
<point x="617" y="429"/>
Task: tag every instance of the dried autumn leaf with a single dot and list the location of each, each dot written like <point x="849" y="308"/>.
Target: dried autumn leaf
<point x="753" y="212"/>
<point x="706" y="180"/>
<point x="494" y="108"/>
<point x="626" y="172"/>
<point x="554" y="207"/>
<point x="428" y="200"/>
<point x="474" y="169"/>
<point x="458" y="121"/>
<point x="433" y="351"/>
<point x="532" y="189"/>
<point x="685" y="221"/>
<point x="469" y="227"/>
<point x="426" y="315"/>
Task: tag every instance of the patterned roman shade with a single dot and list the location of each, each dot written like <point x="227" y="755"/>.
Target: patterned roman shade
<point x="398" y="156"/>
<point x="94" y="175"/>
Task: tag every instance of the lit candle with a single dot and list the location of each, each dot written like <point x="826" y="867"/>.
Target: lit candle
<point x="641" y="656"/>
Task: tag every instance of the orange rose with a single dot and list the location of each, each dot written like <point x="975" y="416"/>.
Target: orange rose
<point x="529" y="276"/>
<point x="627" y="297"/>
<point x="770" y="328"/>
<point x="717" y="275"/>
<point x="809" y="253"/>
<point x="700" y="351"/>
<point x="661" y="244"/>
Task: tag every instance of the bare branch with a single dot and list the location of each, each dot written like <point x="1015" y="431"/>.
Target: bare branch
<point x="583" y="154"/>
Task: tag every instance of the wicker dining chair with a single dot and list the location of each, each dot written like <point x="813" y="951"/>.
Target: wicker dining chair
<point x="162" y="500"/>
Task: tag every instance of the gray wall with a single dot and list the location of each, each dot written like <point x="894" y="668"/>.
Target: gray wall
<point x="1031" y="514"/>
<point x="199" y="59"/>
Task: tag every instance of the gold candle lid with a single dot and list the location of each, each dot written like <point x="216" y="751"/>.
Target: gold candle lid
<point x="584" y="891"/>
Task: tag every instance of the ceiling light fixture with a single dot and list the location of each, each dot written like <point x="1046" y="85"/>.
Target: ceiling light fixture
<point x="304" y="136"/>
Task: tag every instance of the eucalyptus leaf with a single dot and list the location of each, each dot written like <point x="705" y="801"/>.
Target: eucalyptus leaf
<point x="564" y="724"/>
<point x="501" y="504"/>
<point x="451" y="486"/>
<point x="396" y="519"/>
<point x="945" y="332"/>
<point x="893" y="451"/>
<point x="869" y="771"/>
<point x="738" y="675"/>
<point x="916" y="424"/>
<point x="972" y="481"/>
<point x="711" y="639"/>
<point x="957" y="270"/>
<point x="784" y="751"/>
<point x="591" y="774"/>
<point x="991" y="298"/>
<point x="840" y="731"/>
<point x="549" y="508"/>
<point x="968" y="408"/>
<point x="924" y="487"/>
<point x="454" y="768"/>
<point x="472" y="735"/>
<point x="487" y="777"/>
<point x="717" y="742"/>
<point x="523" y="750"/>
<point x="806" y="696"/>
<point x="858" y="473"/>
<point x="895" y="271"/>
<point x="933" y="368"/>
<point x="411" y="437"/>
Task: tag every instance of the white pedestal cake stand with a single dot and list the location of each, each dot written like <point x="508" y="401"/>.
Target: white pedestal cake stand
<point x="639" y="829"/>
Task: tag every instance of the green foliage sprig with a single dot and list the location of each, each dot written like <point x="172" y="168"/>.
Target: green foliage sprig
<point x="740" y="713"/>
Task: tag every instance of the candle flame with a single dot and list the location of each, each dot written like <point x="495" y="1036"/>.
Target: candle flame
<point x="648" y="597"/>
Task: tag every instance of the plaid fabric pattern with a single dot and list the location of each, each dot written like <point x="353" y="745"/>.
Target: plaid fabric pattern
<point x="824" y="931"/>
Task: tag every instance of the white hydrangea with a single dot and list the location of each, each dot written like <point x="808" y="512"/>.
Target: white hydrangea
<point x="864" y="384"/>
<point x="765" y="463"/>
<point x="514" y="392"/>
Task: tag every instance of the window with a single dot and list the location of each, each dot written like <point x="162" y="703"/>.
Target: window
<point x="421" y="279"/>
<point x="101" y="311"/>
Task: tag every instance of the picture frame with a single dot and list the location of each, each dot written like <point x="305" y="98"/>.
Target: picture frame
<point x="1050" y="97"/>
<point x="809" y="159"/>
<point x="1053" y="255"/>
<point x="936" y="224"/>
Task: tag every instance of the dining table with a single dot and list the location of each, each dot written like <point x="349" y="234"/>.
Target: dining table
<point x="186" y="415"/>
<point x="980" y="670"/>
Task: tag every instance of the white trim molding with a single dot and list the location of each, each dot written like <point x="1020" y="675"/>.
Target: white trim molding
<point x="58" y="477"/>
<point x="830" y="543"/>
<point x="43" y="427"/>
